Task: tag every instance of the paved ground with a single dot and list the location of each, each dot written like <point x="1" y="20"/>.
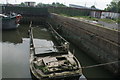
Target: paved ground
<point x="109" y="25"/>
<point x="113" y="26"/>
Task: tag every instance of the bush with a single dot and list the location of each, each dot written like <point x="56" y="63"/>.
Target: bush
<point x="118" y="20"/>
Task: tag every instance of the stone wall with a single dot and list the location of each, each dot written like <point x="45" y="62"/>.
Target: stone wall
<point x="98" y="42"/>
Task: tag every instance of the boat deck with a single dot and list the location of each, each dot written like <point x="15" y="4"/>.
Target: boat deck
<point x="53" y="61"/>
<point x="42" y="46"/>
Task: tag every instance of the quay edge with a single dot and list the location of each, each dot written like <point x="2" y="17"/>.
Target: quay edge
<point x="100" y="43"/>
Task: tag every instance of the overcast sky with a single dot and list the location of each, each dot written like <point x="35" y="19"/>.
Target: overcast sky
<point x="101" y="4"/>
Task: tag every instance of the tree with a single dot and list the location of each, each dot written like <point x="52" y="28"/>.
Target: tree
<point x="114" y="6"/>
<point x="53" y="4"/>
<point x="57" y="4"/>
<point x="115" y="0"/>
<point x="93" y="7"/>
<point x="22" y="4"/>
<point x="119" y="6"/>
<point x="43" y="5"/>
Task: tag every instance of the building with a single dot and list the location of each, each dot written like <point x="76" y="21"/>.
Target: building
<point x="78" y="6"/>
<point x="82" y="7"/>
<point x="30" y="4"/>
<point x="111" y="15"/>
<point x="97" y="13"/>
<point x="104" y="14"/>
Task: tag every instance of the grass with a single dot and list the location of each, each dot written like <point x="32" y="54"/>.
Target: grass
<point x="107" y="20"/>
<point x="65" y="15"/>
<point x="118" y="20"/>
<point x="95" y="19"/>
<point x="43" y="68"/>
<point x="87" y="17"/>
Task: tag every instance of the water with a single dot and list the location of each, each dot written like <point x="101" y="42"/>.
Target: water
<point x="15" y="54"/>
<point x="91" y="73"/>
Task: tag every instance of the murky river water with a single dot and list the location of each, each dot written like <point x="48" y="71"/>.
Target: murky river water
<point x="15" y="54"/>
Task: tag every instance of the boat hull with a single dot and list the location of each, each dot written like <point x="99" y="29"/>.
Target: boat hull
<point x="71" y="77"/>
<point x="61" y="65"/>
<point x="9" y="23"/>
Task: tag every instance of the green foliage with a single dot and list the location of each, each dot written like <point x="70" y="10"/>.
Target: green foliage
<point x="118" y="20"/>
<point x="96" y="19"/>
<point x="114" y="6"/>
<point x="107" y="20"/>
<point x="43" y="5"/>
<point x="119" y="6"/>
<point x="43" y="68"/>
<point x="87" y="17"/>
<point x="93" y="7"/>
<point x="58" y="5"/>
<point x="22" y="4"/>
<point x="53" y="5"/>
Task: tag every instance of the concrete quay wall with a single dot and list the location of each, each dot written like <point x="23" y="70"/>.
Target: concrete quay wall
<point x="34" y="19"/>
<point x="98" y="42"/>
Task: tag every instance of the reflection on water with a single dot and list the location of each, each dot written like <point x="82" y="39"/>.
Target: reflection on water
<point x="91" y="73"/>
<point x="12" y="36"/>
<point x="15" y="60"/>
<point x="15" y="54"/>
<point x="15" y="51"/>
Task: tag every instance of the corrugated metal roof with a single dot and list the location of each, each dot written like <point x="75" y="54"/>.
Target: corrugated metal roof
<point x="83" y="7"/>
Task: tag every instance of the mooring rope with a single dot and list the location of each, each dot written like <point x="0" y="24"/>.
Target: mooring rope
<point x="48" y="46"/>
<point x="91" y="66"/>
<point x="97" y="65"/>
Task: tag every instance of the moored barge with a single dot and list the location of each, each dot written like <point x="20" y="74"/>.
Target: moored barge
<point x="10" y="21"/>
<point x="54" y="65"/>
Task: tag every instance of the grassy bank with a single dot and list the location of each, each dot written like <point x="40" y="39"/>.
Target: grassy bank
<point x="95" y="19"/>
